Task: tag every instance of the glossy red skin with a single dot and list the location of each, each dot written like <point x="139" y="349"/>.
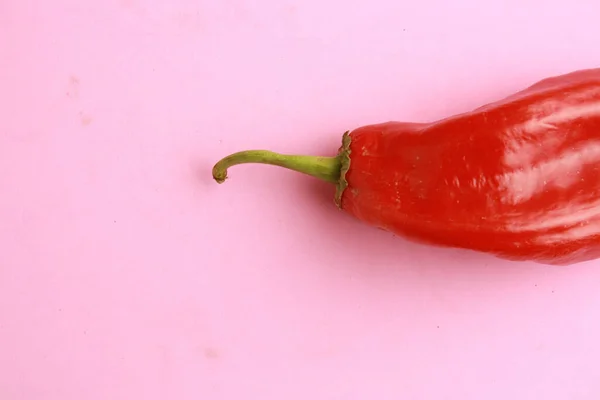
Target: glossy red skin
<point x="518" y="178"/>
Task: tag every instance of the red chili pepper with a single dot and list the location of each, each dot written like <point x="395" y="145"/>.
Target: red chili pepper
<point x="518" y="178"/>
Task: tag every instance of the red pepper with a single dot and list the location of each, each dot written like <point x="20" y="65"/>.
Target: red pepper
<point x="518" y="178"/>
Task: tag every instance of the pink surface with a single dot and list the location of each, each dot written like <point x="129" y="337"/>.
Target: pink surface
<point x="127" y="273"/>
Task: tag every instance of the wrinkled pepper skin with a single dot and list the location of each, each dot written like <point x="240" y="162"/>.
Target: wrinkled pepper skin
<point x="518" y="178"/>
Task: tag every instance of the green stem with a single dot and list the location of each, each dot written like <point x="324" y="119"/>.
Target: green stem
<point x="325" y="168"/>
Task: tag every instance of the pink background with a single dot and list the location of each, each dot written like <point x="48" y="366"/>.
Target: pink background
<point x="127" y="273"/>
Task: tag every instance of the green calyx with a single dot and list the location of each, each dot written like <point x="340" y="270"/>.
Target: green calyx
<point x="328" y="169"/>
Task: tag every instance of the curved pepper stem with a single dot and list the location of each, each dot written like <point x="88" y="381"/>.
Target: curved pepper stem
<point x="327" y="169"/>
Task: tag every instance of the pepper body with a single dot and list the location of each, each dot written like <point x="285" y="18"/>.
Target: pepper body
<point x="518" y="178"/>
